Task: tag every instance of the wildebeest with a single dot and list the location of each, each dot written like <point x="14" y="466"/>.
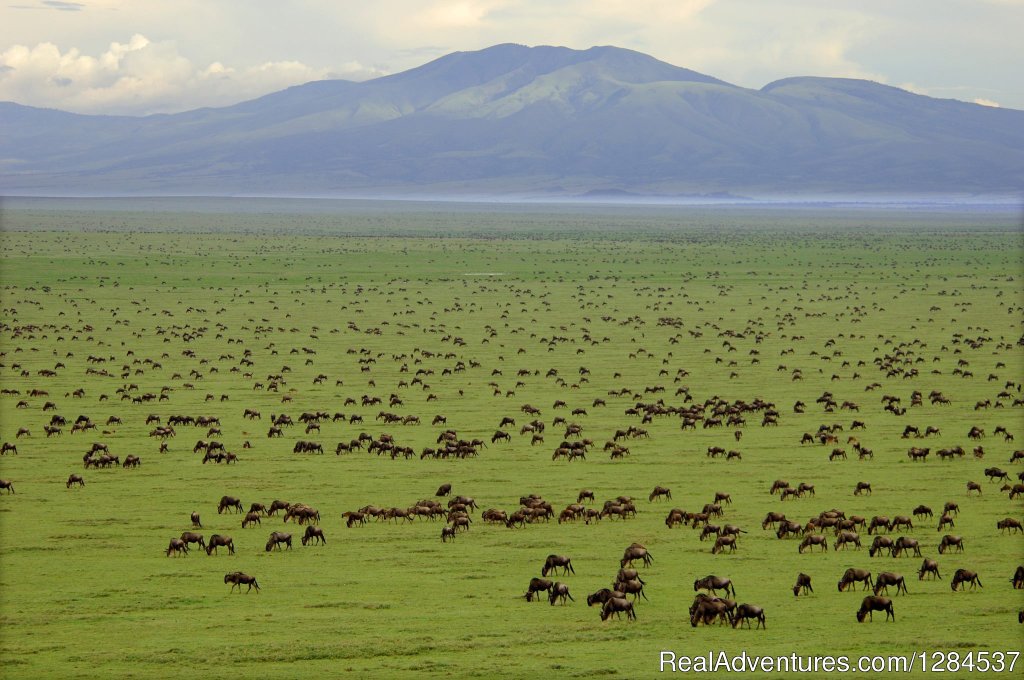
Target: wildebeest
<point x="537" y="585"/>
<point x="447" y="534"/>
<point x="195" y="521"/>
<point x="963" y="576"/>
<point x="903" y="543"/>
<point x="714" y="583"/>
<point x="723" y="542"/>
<point x="228" y="503"/>
<point x="191" y="537"/>
<point x="851" y="576"/>
<point x="1009" y="524"/>
<point x="1018" y="578"/>
<point x="251" y="518"/>
<point x="929" y="566"/>
<point x="314" y="534"/>
<point x="276" y="539"/>
<point x="7" y="484"/>
<point x="177" y="546"/>
<point x="660" y="491"/>
<point x="888" y="578"/>
<point x="617" y="605"/>
<point x="803" y="585"/>
<point x="444" y="490"/>
<point x="217" y="541"/>
<point x="746" y="612"/>
<point x="813" y="539"/>
<point x="875" y="603"/>
<point x="559" y="591"/>
<point x="862" y="487"/>
<point x="844" y="537"/>
<point x="636" y="552"/>
<point x="949" y="541"/>
<point x="879" y="544"/>
<point x="75" y="479"/>
<point x="555" y="561"/>
<point x="237" y="578"/>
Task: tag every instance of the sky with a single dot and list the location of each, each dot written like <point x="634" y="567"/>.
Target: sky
<point x="137" y="57"/>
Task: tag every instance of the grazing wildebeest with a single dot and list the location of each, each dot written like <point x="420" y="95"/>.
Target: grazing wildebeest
<point x="723" y="542"/>
<point x="75" y="479"/>
<point x="555" y="561"/>
<point x="778" y="485"/>
<point x="602" y="596"/>
<point x="901" y="521"/>
<point x="878" y="521"/>
<point x="227" y="503"/>
<point x="973" y="486"/>
<point x="929" y="566"/>
<point x="903" y="543"/>
<point x="862" y="487"/>
<point x="874" y="603"/>
<point x="706" y="609"/>
<point x="8" y="447"/>
<point x="851" y="576"/>
<point x="844" y="537"/>
<point x="237" y="578"/>
<point x="217" y="541"/>
<point x="314" y="533"/>
<point x="633" y="587"/>
<point x="636" y="552"/>
<point x="251" y="518"/>
<point x="945" y="521"/>
<point x="7" y="484"/>
<point x="559" y="591"/>
<point x="195" y="521"/>
<point x="443" y="490"/>
<point x="714" y="583"/>
<point x="951" y="541"/>
<point x="1018" y="578"/>
<point x="963" y="576"/>
<point x="950" y="507"/>
<point x="276" y="539"/>
<point x="585" y="494"/>
<point x="190" y="537"/>
<point x="813" y="539"/>
<point x="537" y="585"/>
<point x="447" y="533"/>
<point x="803" y="585"/>
<point x="888" y="578"/>
<point x="746" y="612"/>
<point x="771" y="518"/>
<point x="660" y="491"/>
<point x="617" y="605"/>
<point x="1009" y="524"/>
<point x="879" y="544"/>
<point x="177" y="546"/>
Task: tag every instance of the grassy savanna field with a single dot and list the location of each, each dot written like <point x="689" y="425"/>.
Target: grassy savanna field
<point x="728" y="304"/>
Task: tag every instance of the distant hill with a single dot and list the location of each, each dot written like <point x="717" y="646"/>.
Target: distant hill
<point x="510" y="119"/>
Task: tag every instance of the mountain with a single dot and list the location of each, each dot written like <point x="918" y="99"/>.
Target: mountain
<point x="512" y="119"/>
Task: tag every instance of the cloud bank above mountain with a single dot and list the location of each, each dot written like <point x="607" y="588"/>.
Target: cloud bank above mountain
<point x="108" y="56"/>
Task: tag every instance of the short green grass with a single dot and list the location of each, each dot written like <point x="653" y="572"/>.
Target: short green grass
<point x="86" y="591"/>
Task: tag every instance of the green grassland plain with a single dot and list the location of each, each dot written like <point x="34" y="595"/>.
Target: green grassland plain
<point x="727" y="303"/>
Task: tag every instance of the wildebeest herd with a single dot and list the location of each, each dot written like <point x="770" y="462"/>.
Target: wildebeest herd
<point x="688" y="408"/>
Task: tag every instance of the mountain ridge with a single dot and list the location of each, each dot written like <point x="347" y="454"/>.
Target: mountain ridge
<point x="516" y="119"/>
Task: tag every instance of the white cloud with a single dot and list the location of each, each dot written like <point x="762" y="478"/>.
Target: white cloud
<point x="141" y="76"/>
<point x="986" y="102"/>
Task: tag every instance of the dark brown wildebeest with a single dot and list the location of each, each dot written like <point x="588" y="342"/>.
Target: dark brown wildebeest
<point x="929" y="566"/>
<point x="8" y="447"/>
<point x="75" y="479"/>
<point x="805" y="488"/>
<point x="537" y="585"/>
<point x="675" y="516"/>
<point x="228" y="503"/>
<point x="901" y="521"/>
<point x="585" y="494"/>
<point x="277" y="538"/>
<point x="258" y="507"/>
<point x="786" y="528"/>
<point x="746" y="612"/>
<point x="218" y="541"/>
<point x="996" y="474"/>
<point x="237" y="578"/>
<point x="278" y="505"/>
<point x="945" y="521"/>
<point x="131" y="461"/>
<point x="723" y="542"/>
<point x="500" y="435"/>
<point x="851" y="576"/>
<point x="722" y="497"/>
<point x="177" y="546"/>
<point x="660" y="491"/>
<point x="636" y="552"/>
<point x="251" y="518"/>
<point x="713" y="583"/>
<point x="888" y="578"/>
<point x="314" y="533"/>
<point x="771" y="518"/>
<point x="963" y="576"/>
<point x="813" y="539"/>
<point x="1009" y="524"/>
<point x="875" y="603"/>
<point x="633" y="587"/>
<point x="629" y="575"/>
<point x="559" y="591"/>
<point x="196" y="524"/>
<point x="949" y="541"/>
<point x="778" y="485"/>
<point x="444" y="490"/>
<point x="844" y="537"/>
<point x="617" y="605"/>
<point x="447" y="533"/>
<point x="904" y="543"/>
<point x="803" y="585"/>
<point x="878" y="521"/>
<point x="879" y="544"/>
<point x="706" y="609"/>
<point x="7" y="484"/>
<point x="950" y="507"/>
<point x="861" y="488"/>
<point x="602" y="596"/>
<point x="555" y="561"/>
<point x="190" y="537"/>
<point x="1018" y="578"/>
